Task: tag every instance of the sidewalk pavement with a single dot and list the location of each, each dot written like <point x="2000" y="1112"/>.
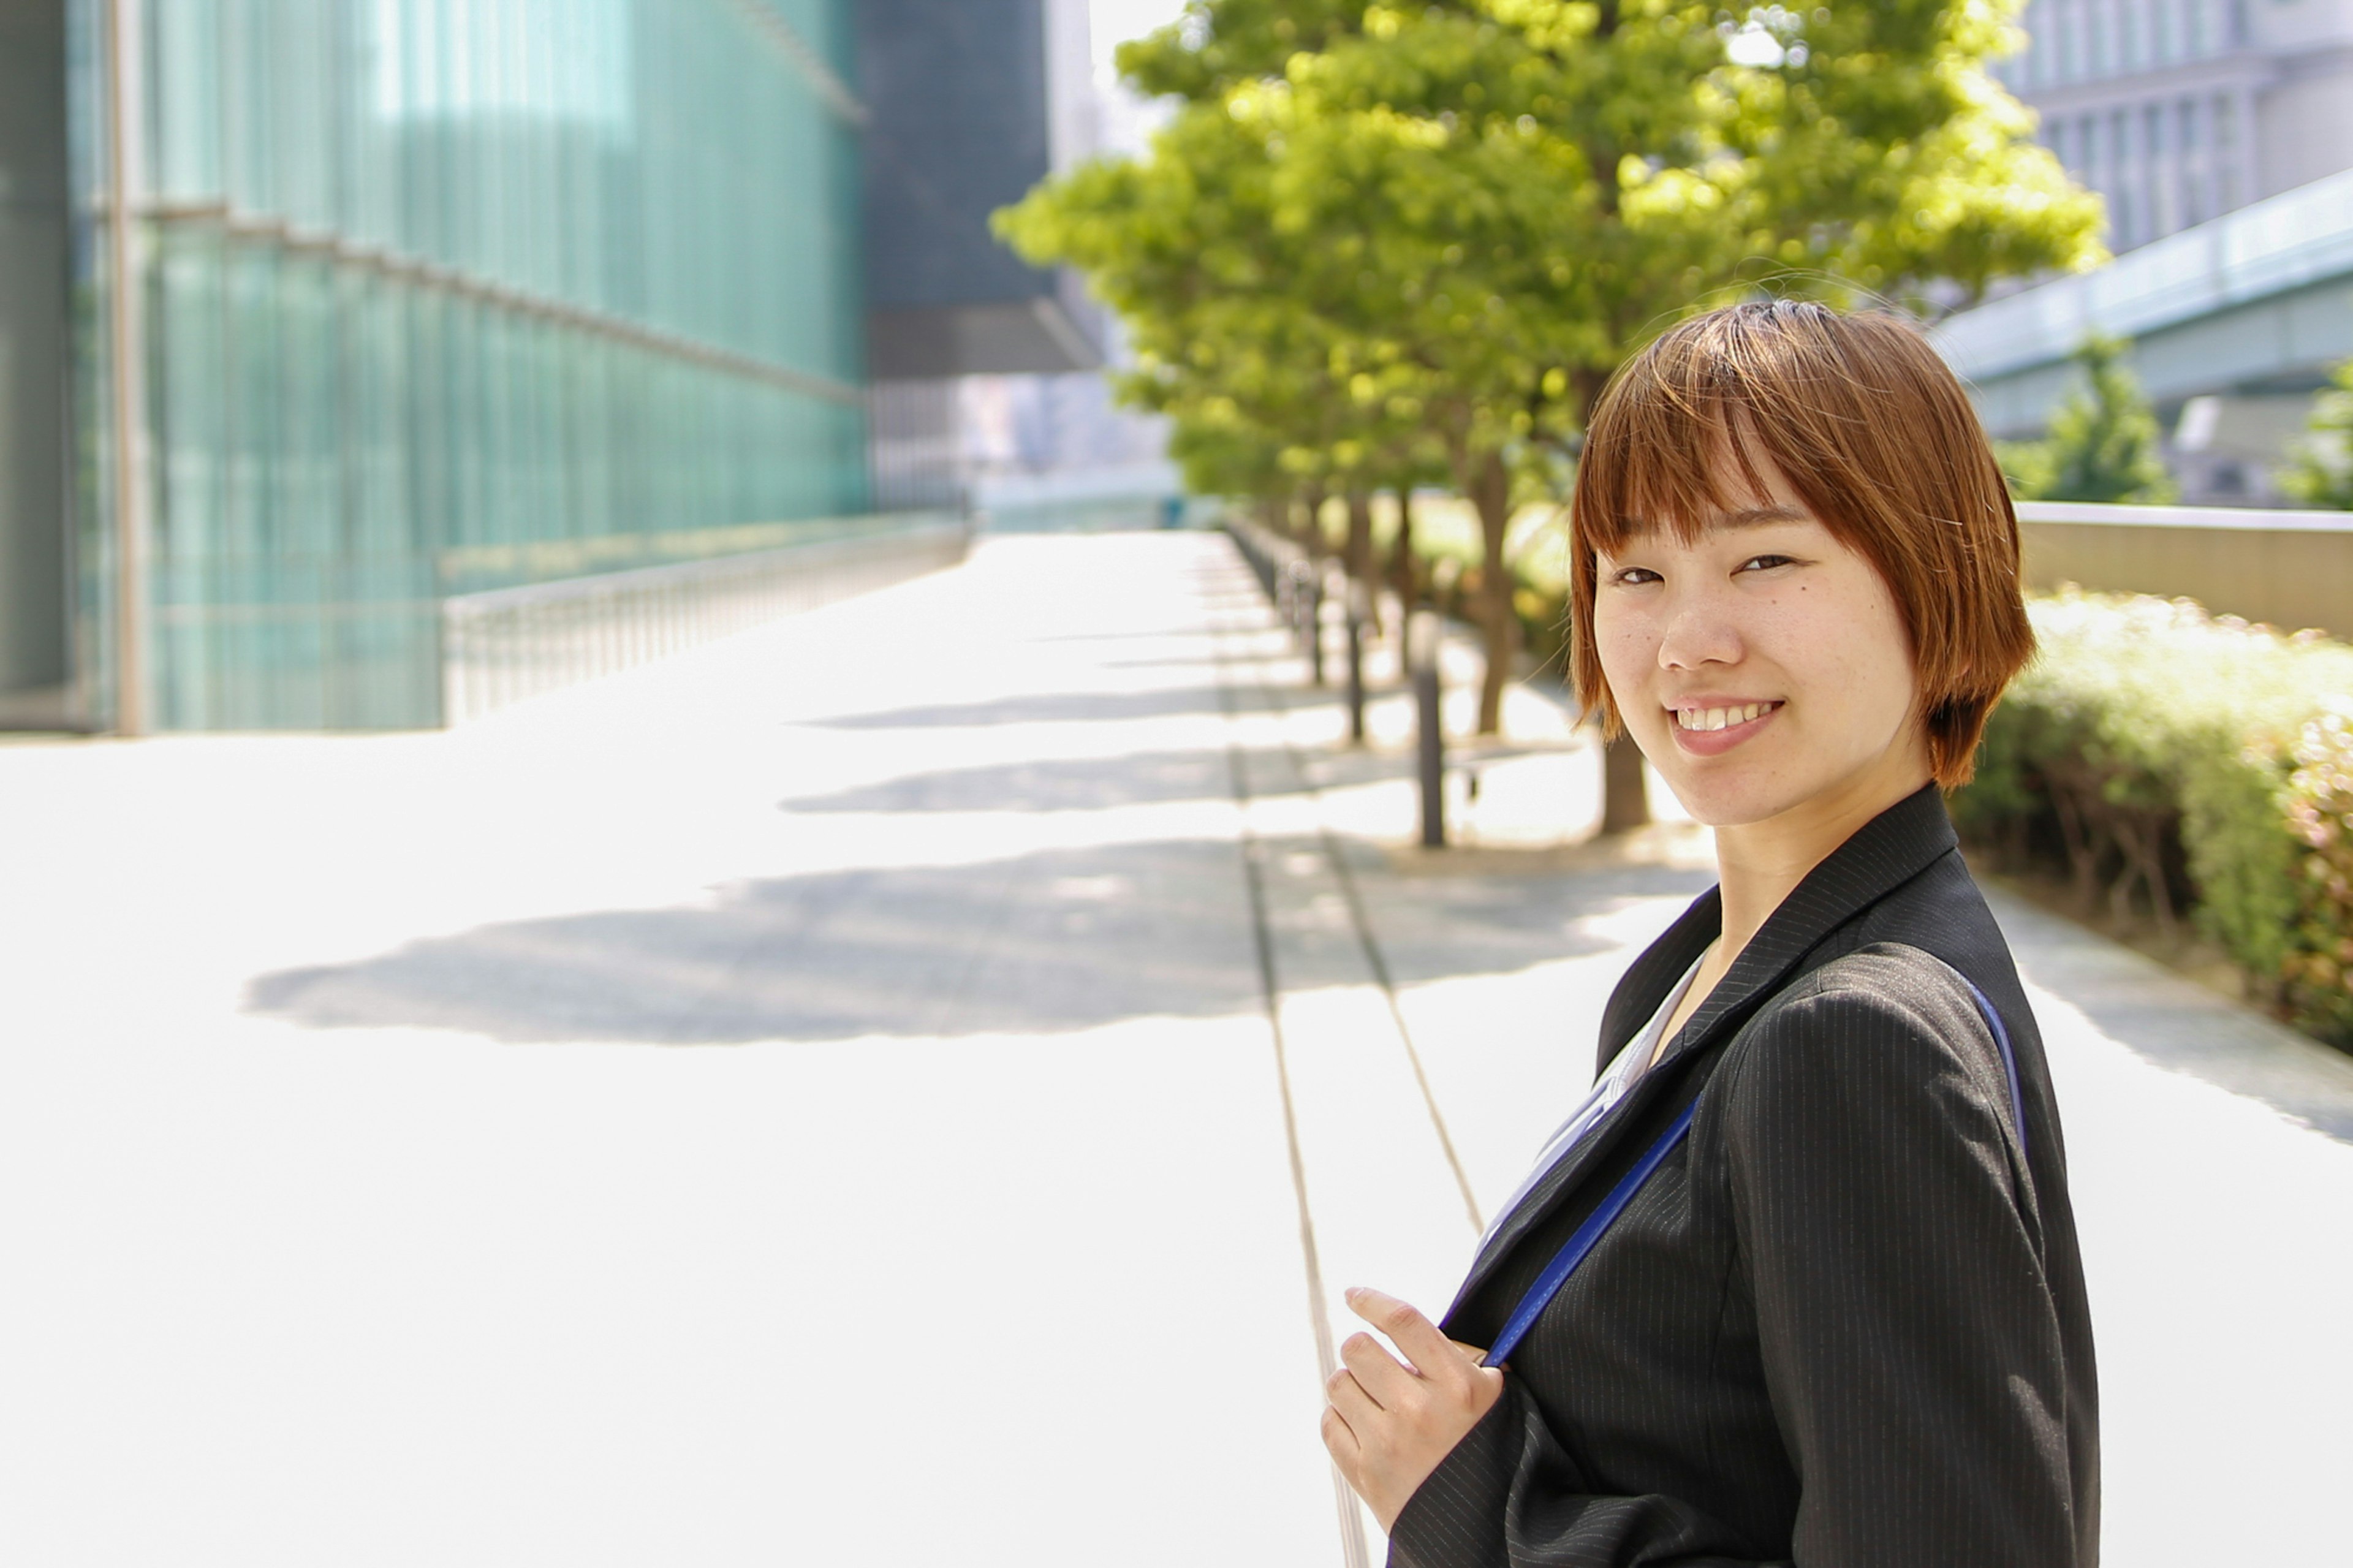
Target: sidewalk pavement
<point x="814" y="1100"/>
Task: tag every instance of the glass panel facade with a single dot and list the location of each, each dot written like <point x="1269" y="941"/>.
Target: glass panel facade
<point x="440" y="296"/>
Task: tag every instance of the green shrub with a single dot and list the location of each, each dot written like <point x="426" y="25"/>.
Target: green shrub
<point x="2320" y="807"/>
<point x="2321" y="472"/>
<point x="2163" y="755"/>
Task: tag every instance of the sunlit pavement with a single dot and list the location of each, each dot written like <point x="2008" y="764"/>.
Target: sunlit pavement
<point x="814" y="1101"/>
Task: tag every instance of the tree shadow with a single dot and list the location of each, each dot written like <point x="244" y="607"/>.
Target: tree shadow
<point x="1041" y="707"/>
<point x="2175" y="1024"/>
<point x="1442" y="926"/>
<point x="1070" y="784"/>
<point x="1040" y="944"/>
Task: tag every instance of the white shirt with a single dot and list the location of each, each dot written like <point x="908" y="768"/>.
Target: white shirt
<point x="1619" y="1076"/>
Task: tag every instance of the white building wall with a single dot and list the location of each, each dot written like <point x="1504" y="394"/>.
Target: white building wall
<point x="2179" y="110"/>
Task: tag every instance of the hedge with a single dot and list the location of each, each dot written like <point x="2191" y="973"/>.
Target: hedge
<point x="2172" y="758"/>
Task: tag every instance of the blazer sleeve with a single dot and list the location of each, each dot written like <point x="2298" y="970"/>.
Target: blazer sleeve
<point x="1910" y="1345"/>
<point x="1509" y="1496"/>
<point x="1910" y="1339"/>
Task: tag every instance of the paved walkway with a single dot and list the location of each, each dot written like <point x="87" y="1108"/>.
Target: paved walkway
<point x="814" y="1101"/>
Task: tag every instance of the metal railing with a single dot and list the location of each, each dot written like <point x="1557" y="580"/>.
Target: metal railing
<point x="505" y="646"/>
<point x="1299" y="585"/>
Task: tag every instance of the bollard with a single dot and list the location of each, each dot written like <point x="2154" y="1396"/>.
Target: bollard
<point x="1422" y="654"/>
<point x="1313" y="583"/>
<point x="1356" y="661"/>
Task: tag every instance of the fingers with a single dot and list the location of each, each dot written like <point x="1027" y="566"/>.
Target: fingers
<point x="1342" y="1441"/>
<point x="1431" y="1352"/>
<point x="1378" y="1374"/>
<point x="1349" y="1400"/>
<point x="1471" y="1354"/>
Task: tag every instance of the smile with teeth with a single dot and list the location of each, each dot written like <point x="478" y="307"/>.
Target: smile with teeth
<point x="1721" y="718"/>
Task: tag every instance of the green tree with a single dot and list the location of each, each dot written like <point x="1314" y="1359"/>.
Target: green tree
<point x="2321" y="474"/>
<point x="2103" y="444"/>
<point x="1486" y="206"/>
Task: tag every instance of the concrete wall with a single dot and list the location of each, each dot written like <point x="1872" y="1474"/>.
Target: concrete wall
<point x="33" y="356"/>
<point x="2290" y="569"/>
<point x="2304" y="125"/>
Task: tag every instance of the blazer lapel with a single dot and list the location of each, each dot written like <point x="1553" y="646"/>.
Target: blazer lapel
<point x="1884" y="854"/>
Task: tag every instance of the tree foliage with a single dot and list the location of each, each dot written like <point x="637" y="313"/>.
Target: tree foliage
<point x="1383" y="232"/>
<point x="2103" y="444"/>
<point x="2321" y="474"/>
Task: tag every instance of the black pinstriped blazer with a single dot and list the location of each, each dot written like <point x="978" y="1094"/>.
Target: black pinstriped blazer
<point x="1843" y="1325"/>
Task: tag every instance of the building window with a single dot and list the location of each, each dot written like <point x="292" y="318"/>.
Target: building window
<point x="2189" y="153"/>
<point x="2228" y="195"/>
<point x="2123" y="210"/>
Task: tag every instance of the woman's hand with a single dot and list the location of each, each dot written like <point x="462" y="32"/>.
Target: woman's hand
<point x="1390" y="1424"/>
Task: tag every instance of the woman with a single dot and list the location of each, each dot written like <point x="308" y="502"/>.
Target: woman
<point x="1814" y="1294"/>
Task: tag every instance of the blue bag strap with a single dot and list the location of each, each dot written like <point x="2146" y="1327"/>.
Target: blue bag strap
<point x="2008" y="1060"/>
<point x="1573" y="1251"/>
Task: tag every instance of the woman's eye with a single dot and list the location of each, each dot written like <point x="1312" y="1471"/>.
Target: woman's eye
<point x="1764" y="563"/>
<point x="1633" y="576"/>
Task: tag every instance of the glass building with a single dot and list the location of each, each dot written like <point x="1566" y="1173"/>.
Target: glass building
<point x="424" y="297"/>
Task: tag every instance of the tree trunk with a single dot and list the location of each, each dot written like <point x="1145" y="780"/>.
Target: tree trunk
<point x="1490" y="495"/>
<point x="1625" y="794"/>
<point x="1310" y="531"/>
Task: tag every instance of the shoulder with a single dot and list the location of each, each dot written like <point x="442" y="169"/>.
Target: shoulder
<point x="1885" y="988"/>
<point x="1886" y="1038"/>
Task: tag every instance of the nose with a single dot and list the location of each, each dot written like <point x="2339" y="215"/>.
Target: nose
<point x="1698" y="630"/>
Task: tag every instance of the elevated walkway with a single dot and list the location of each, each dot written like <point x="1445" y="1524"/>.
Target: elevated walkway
<point x="2258" y="300"/>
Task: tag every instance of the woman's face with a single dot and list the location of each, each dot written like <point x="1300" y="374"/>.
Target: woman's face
<point x="1763" y="670"/>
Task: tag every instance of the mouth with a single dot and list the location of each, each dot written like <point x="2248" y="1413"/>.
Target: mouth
<point x="1713" y="729"/>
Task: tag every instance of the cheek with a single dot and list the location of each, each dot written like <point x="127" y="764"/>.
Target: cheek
<point x="1626" y="649"/>
<point x="1854" y="649"/>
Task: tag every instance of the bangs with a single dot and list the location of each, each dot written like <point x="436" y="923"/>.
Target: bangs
<point x="1687" y="429"/>
<point x="1697" y="458"/>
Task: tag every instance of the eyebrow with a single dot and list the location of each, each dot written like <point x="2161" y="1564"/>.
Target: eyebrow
<point x="1746" y="517"/>
<point x="1757" y="516"/>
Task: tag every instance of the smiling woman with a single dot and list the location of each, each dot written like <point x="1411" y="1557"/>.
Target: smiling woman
<point x="1799" y="1281"/>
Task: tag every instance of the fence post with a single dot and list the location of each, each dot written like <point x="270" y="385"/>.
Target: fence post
<point x="1311" y="579"/>
<point x="1357" y="597"/>
<point x="1423" y="633"/>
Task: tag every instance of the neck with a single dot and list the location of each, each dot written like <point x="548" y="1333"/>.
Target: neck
<point x="1759" y="864"/>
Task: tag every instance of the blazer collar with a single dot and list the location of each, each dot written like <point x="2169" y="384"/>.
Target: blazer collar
<point x="1883" y="854"/>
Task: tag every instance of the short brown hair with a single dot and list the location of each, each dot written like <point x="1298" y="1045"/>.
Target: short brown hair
<point x="1871" y="428"/>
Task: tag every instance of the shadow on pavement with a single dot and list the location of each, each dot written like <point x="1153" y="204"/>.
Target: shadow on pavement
<point x="2177" y="1024"/>
<point x="1434" y="924"/>
<point x="1044" y="707"/>
<point x="1074" y="783"/>
<point x="1037" y="943"/>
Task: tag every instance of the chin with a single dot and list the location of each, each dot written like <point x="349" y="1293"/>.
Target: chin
<point x="1717" y="807"/>
<point x="1727" y="797"/>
